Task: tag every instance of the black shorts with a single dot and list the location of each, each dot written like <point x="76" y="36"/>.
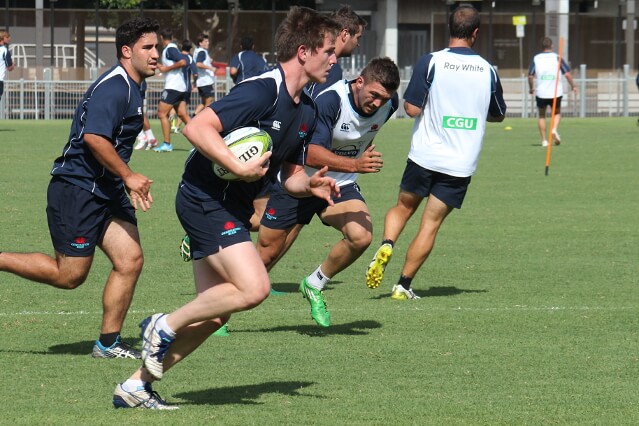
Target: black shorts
<point x="1" y="88"/>
<point x="172" y="97"/>
<point x="212" y="225"/>
<point x="206" y="91"/>
<point x="283" y="211"/>
<point x="77" y="218"/>
<point x="423" y="182"/>
<point x="543" y="103"/>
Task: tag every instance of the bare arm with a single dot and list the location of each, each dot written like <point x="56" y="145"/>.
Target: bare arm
<point x="412" y="110"/>
<point x="369" y="162"/>
<point x="138" y="186"/>
<point x="571" y="82"/>
<point x="179" y="64"/>
<point x="299" y="184"/>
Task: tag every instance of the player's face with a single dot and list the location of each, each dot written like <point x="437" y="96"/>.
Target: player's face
<point x="205" y="44"/>
<point x="352" y="43"/>
<point x="319" y="63"/>
<point x="371" y="96"/>
<point x="144" y="55"/>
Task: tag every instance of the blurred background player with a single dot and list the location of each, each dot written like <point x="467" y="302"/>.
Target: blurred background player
<point x="175" y="87"/>
<point x="247" y="63"/>
<point x="451" y="95"/>
<point x="206" y="72"/>
<point x="360" y="106"/>
<point x="542" y="75"/>
<point x="347" y="41"/>
<point x="87" y="203"/>
<point x="146" y="138"/>
<point x="6" y="63"/>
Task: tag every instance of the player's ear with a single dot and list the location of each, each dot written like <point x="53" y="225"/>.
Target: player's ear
<point x="126" y="51"/>
<point x="303" y="53"/>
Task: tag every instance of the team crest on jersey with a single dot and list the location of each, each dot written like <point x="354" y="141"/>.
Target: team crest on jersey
<point x="276" y="125"/>
<point x="270" y="214"/>
<point x="80" y="243"/>
<point x="303" y="131"/>
<point x="374" y="128"/>
<point x="345" y="127"/>
<point x="230" y="228"/>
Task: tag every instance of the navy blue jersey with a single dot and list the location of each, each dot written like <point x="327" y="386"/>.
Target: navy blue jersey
<point x="189" y="70"/>
<point x="111" y="108"/>
<point x="249" y="64"/>
<point x="262" y="102"/>
<point x="334" y="75"/>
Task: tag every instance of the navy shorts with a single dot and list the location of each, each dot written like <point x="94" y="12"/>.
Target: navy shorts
<point x="212" y="224"/>
<point x="543" y="103"/>
<point x="1" y="88"/>
<point x="206" y="91"/>
<point x="77" y="218"/>
<point x="283" y="211"/>
<point x="423" y="182"/>
<point x="172" y="97"/>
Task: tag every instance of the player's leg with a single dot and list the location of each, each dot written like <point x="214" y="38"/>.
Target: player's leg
<point x="163" y="114"/>
<point x="259" y="205"/>
<point x="270" y="244"/>
<point x="75" y="225"/>
<point x="557" y="118"/>
<point x="541" y="121"/>
<point x="63" y="271"/>
<point x="420" y="248"/>
<point x="182" y="112"/>
<point x="353" y="220"/>
<point x="121" y="244"/>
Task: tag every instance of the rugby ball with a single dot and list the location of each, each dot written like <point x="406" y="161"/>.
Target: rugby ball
<point x="245" y="143"/>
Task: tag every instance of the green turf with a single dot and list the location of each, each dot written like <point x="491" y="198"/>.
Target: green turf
<point x="529" y="309"/>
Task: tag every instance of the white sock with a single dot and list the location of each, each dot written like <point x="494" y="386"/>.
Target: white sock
<point x="149" y="134"/>
<point x="142" y="135"/>
<point x="132" y="385"/>
<point x="161" y="324"/>
<point x="318" y="279"/>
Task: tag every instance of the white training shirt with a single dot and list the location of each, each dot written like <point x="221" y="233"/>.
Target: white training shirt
<point x="456" y="88"/>
<point x="205" y="77"/>
<point x="343" y="130"/>
<point x="544" y="68"/>
<point x="174" y="79"/>
<point x="5" y="60"/>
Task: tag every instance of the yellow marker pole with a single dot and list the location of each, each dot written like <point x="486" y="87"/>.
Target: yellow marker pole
<point x="554" y="106"/>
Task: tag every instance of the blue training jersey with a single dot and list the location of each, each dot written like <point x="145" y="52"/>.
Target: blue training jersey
<point x="249" y="64"/>
<point x="111" y="108"/>
<point x="261" y="102"/>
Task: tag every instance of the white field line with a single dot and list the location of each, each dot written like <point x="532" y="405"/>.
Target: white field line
<point x="413" y="307"/>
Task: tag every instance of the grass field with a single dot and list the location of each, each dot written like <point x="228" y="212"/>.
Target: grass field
<point x="529" y="311"/>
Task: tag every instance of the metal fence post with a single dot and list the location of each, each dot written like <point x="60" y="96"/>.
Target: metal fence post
<point x="626" y="75"/>
<point x="582" y="91"/>
<point x="21" y="102"/>
<point x="48" y="102"/>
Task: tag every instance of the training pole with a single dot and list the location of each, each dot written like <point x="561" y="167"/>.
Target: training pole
<point x="554" y="106"/>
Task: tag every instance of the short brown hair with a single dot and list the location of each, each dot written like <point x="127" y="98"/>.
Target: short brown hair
<point x="382" y="71"/>
<point x="346" y="17"/>
<point x="302" y="27"/>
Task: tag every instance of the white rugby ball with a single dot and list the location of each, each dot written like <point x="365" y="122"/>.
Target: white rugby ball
<point x="246" y="143"/>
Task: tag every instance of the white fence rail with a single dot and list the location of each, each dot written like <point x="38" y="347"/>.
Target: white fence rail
<point x="612" y="95"/>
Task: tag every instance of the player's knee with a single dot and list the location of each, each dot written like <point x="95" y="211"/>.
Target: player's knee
<point x="71" y="281"/>
<point x="360" y="241"/>
<point x="256" y="294"/>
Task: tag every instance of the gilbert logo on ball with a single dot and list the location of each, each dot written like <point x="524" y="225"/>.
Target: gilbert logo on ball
<point x="245" y="143"/>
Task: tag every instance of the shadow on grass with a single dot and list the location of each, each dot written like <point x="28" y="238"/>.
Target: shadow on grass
<point x="81" y="348"/>
<point x="355" y="328"/>
<point x="436" y="292"/>
<point x="295" y="287"/>
<point x="241" y="394"/>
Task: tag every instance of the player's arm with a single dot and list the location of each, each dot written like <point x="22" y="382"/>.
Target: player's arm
<point x="418" y="87"/>
<point x="573" y="87"/>
<point x="203" y="131"/>
<point x="497" y="106"/>
<point x="299" y="184"/>
<point x="179" y="61"/>
<point x="412" y="110"/>
<point x="9" y="65"/>
<point x="370" y="161"/>
<point x="138" y="186"/>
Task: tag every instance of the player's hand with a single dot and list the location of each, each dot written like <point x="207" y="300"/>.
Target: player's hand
<point x="255" y="168"/>
<point x="370" y="161"/>
<point x="138" y="186"/>
<point x="324" y="187"/>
